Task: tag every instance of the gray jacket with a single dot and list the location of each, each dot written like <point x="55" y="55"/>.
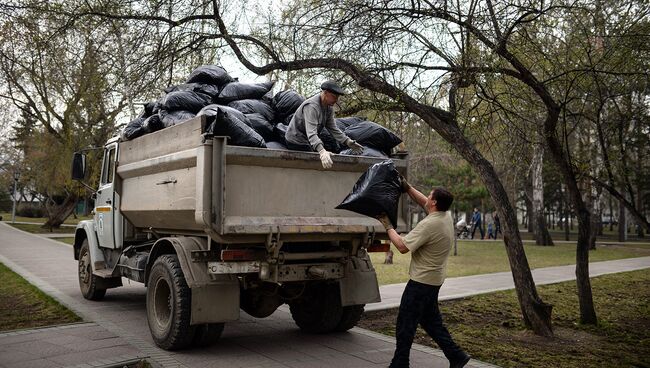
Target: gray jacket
<point x="310" y="118"/>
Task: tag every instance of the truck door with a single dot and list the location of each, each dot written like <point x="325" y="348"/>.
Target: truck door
<point x="105" y="202"/>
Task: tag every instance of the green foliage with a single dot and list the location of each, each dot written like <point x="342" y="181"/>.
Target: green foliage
<point x="461" y="180"/>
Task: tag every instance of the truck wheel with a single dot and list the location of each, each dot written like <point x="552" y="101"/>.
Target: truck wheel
<point x="351" y="316"/>
<point x="169" y="304"/>
<point x="318" y="311"/>
<point x="88" y="283"/>
<point x="207" y="334"/>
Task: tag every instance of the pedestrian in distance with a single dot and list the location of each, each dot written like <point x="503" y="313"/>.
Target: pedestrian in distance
<point x="497" y="225"/>
<point x="429" y="243"/>
<point x="313" y="115"/>
<point x="477" y="223"/>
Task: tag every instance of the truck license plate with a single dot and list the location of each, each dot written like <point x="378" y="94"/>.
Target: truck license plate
<point x="233" y="267"/>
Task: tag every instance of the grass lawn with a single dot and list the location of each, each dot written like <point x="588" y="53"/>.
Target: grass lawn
<point x="489" y="326"/>
<point x="37" y="229"/>
<point x="6" y="216"/>
<point x="65" y="240"/>
<point x="490" y="256"/>
<point x="22" y="305"/>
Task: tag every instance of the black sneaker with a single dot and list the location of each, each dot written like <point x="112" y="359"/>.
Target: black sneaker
<point x="460" y="362"/>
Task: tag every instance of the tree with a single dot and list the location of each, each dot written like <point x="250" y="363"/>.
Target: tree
<point x="73" y="81"/>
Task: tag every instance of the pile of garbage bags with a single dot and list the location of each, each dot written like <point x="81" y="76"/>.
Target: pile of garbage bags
<point x="249" y="114"/>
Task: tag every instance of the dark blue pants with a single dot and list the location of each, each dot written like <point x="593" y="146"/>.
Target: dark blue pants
<point x="478" y="226"/>
<point x="419" y="305"/>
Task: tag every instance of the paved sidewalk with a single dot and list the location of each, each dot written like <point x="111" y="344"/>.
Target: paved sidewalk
<point x="459" y="287"/>
<point x="273" y="342"/>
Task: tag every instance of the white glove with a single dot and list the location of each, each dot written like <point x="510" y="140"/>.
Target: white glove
<point x="325" y="159"/>
<point x="356" y="148"/>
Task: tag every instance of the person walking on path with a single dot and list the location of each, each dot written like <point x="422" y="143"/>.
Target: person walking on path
<point x="430" y="243"/>
<point x="497" y="225"/>
<point x="477" y="223"/>
<point x="313" y="115"/>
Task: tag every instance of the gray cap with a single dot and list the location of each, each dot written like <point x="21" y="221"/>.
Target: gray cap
<point x="333" y="87"/>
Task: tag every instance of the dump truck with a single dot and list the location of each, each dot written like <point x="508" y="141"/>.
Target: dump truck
<point x="211" y="228"/>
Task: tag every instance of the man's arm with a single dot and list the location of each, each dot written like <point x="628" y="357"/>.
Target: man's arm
<point x="418" y="197"/>
<point x="311" y="127"/>
<point x="396" y="239"/>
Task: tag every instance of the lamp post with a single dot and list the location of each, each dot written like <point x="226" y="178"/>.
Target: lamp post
<point x="13" y="211"/>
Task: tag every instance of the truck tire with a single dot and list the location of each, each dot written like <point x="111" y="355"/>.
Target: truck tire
<point x="207" y="334"/>
<point x="351" y="316"/>
<point x="319" y="310"/>
<point x="169" y="304"/>
<point x="88" y="283"/>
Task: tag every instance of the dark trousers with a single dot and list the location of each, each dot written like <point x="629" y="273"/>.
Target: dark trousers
<point x="419" y="305"/>
<point x="480" y="228"/>
<point x="299" y="147"/>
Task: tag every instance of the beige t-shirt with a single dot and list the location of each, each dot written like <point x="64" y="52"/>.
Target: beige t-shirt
<point x="430" y="242"/>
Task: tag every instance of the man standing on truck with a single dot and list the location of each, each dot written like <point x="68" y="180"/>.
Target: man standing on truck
<point x="430" y="242"/>
<point x="314" y="114"/>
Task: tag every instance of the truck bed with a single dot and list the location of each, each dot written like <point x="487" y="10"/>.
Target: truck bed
<point x="176" y="181"/>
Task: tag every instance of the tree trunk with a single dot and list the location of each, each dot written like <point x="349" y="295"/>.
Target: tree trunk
<point x="536" y="313"/>
<point x="389" y="257"/>
<point x="585" y="297"/>
<point x="61" y="212"/>
<point x="528" y="201"/>
<point x="542" y="236"/>
<point x="622" y="223"/>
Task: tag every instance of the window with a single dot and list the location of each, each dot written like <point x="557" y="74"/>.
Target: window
<point x="109" y="166"/>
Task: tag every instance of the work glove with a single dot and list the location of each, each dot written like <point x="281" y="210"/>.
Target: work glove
<point x="405" y="186"/>
<point x="325" y="159"/>
<point x="383" y="218"/>
<point x="356" y="148"/>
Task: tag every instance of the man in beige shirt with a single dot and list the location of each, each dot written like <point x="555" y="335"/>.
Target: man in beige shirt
<point x="429" y="243"/>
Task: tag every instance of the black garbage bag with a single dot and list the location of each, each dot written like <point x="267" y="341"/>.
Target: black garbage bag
<point x="280" y="131"/>
<point x="329" y="143"/>
<point x="153" y="123"/>
<point x="207" y="91"/>
<point x="286" y="103"/>
<point x="373" y="135"/>
<point x="226" y="121"/>
<point x="344" y="123"/>
<point x="276" y="146"/>
<point x="185" y="100"/>
<point x="262" y="126"/>
<point x="171" y="118"/>
<point x="253" y="107"/>
<point x="210" y="74"/>
<point x="286" y="121"/>
<point x="367" y="152"/>
<point x="376" y="192"/>
<point x="133" y="129"/>
<point x="241" y="91"/>
<point x="148" y="109"/>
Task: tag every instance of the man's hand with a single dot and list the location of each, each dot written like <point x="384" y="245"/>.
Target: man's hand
<point x="383" y="218"/>
<point x="354" y="146"/>
<point x="325" y="159"/>
<point x="404" y="184"/>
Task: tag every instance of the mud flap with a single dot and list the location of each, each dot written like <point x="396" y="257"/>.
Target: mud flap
<point x="359" y="286"/>
<point x="214" y="299"/>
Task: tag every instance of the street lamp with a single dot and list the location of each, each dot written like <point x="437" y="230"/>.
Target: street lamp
<point x="13" y="211"/>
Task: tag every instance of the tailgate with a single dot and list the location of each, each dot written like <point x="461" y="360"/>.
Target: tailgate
<point x="258" y="191"/>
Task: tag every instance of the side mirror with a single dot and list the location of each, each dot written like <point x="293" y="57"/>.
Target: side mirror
<point x="78" y="166"/>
